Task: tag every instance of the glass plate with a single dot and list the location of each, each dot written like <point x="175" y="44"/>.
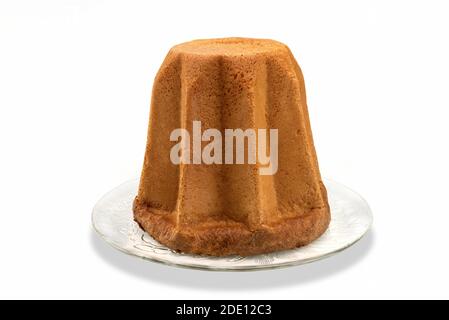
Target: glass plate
<point x="112" y="218"/>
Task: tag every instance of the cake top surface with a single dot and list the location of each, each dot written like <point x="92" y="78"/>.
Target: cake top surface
<point x="230" y="46"/>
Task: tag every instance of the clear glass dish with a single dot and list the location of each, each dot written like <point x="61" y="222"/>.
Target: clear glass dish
<point x="112" y="218"/>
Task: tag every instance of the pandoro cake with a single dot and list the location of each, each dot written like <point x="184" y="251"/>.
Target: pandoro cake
<point x="227" y="208"/>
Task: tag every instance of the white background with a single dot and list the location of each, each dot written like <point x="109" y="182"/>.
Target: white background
<point x="75" y="84"/>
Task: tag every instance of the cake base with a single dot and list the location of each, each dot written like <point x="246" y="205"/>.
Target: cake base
<point x="222" y="238"/>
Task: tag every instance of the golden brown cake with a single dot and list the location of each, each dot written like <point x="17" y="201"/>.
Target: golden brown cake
<point x="223" y="209"/>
